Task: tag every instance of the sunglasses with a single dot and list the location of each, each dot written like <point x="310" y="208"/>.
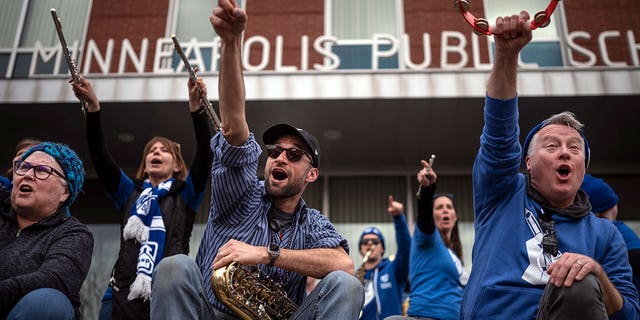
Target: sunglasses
<point x="369" y="241"/>
<point x="293" y="154"/>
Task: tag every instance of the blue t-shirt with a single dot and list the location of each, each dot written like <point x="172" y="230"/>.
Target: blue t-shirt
<point x="437" y="278"/>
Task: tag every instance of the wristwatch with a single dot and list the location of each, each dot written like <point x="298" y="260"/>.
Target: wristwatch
<point x="274" y="253"/>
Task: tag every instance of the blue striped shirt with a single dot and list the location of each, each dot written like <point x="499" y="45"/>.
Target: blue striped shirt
<point x="239" y="207"/>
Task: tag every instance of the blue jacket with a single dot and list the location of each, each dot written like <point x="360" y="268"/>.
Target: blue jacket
<point x="390" y="277"/>
<point x="509" y="268"/>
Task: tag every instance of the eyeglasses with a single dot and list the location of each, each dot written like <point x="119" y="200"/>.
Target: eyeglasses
<point x="41" y="171"/>
<point x="369" y="241"/>
<point x="293" y="154"/>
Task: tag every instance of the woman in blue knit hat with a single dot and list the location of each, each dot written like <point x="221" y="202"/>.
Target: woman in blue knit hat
<point x="45" y="253"/>
<point x="157" y="210"/>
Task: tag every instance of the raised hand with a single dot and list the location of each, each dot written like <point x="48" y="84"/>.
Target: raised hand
<point x="395" y="208"/>
<point x="195" y="90"/>
<point x="427" y="176"/>
<point x="84" y="90"/>
<point x="512" y="33"/>
<point x="228" y="20"/>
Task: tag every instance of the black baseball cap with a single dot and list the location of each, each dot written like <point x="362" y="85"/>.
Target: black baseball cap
<point x="272" y="134"/>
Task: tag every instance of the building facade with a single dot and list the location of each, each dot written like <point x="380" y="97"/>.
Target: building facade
<point x="381" y="83"/>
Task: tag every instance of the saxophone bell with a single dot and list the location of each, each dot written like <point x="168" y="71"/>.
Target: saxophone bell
<point x="250" y="294"/>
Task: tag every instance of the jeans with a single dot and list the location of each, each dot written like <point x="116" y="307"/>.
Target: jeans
<point x="44" y="303"/>
<point x="407" y="318"/>
<point x="177" y="293"/>
<point x="583" y="300"/>
<point x="338" y="295"/>
<point x="106" y="310"/>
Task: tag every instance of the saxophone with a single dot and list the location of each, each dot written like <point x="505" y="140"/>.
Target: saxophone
<point x="250" y="294"/>
<point x="361" y="271"/>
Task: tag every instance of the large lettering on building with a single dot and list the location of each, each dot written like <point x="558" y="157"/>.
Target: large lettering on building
<point x="455" y="53"/>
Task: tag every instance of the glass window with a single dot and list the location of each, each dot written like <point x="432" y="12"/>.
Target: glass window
<point x="9" y="19"/>
<point x="39" y="24"/>
<point x="354" y="23"/>
<point x="545" y="48"/>
<point x="192" y="19"/>
<point x="28" y="23"/>
<point x="364" y="199"/>
<point x="360" y="19"/>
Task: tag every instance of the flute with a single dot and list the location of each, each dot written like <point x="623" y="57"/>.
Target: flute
<point x="361" y="271"/>
<point x="204" y="101"/>
<point x="71" y="63"/>
<point x="431" y="159"/>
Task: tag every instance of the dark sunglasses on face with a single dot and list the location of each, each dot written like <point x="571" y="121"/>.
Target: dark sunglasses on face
<point x="41" y="171"/>
<point x="293" y="154"/>
<point x="368" y="241"/>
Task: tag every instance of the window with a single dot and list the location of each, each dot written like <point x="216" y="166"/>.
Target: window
<point x="354" y="23"/>
<point x="189" y="19"/>
<point x="29" y="34"/>
<point x="364" y="199"/>
<point x="545" y="49"/>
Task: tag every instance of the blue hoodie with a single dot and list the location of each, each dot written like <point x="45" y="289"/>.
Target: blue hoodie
<point x="390" y="277"/>
<point x="509" y="268"/>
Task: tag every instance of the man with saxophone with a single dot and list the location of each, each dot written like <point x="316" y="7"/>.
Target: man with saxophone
<point x="265" y="224"/>
<point x="383" y="279"/>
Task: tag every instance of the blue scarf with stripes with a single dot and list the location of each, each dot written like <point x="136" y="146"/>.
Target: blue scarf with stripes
<point x="145" y="225"/>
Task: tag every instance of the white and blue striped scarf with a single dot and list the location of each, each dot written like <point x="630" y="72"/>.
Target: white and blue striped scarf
<point x="146" y="226"/>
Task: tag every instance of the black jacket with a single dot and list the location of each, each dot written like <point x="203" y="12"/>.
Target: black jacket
<point x="53" y="253"/>
<point x="178" y="217"/>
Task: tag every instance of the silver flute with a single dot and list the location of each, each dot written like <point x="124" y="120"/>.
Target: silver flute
<point x="204" y="101"/>
<point x="71" y="63"/>
<point x="431" y="159"/>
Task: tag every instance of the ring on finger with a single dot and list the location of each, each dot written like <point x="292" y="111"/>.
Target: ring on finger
<point x="580" y="263"/>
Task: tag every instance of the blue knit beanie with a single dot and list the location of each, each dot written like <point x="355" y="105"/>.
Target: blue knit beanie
<point x="373" y="230"/>
<point x="601" y="195"/>
<point x="69" y="162"/>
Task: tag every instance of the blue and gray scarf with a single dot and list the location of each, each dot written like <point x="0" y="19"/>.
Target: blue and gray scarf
<point x="146" y="226"/>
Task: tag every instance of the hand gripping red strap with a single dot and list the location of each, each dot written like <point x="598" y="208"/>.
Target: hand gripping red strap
<point x="482" y="26"/>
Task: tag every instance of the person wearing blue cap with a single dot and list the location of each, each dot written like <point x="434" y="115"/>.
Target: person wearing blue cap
<point x="538" y="250"/>
<point x="45" y="253"/>
<point x="383" y="279"/>
<point x="260" y="223"/>
<point x="604" y="203"/>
